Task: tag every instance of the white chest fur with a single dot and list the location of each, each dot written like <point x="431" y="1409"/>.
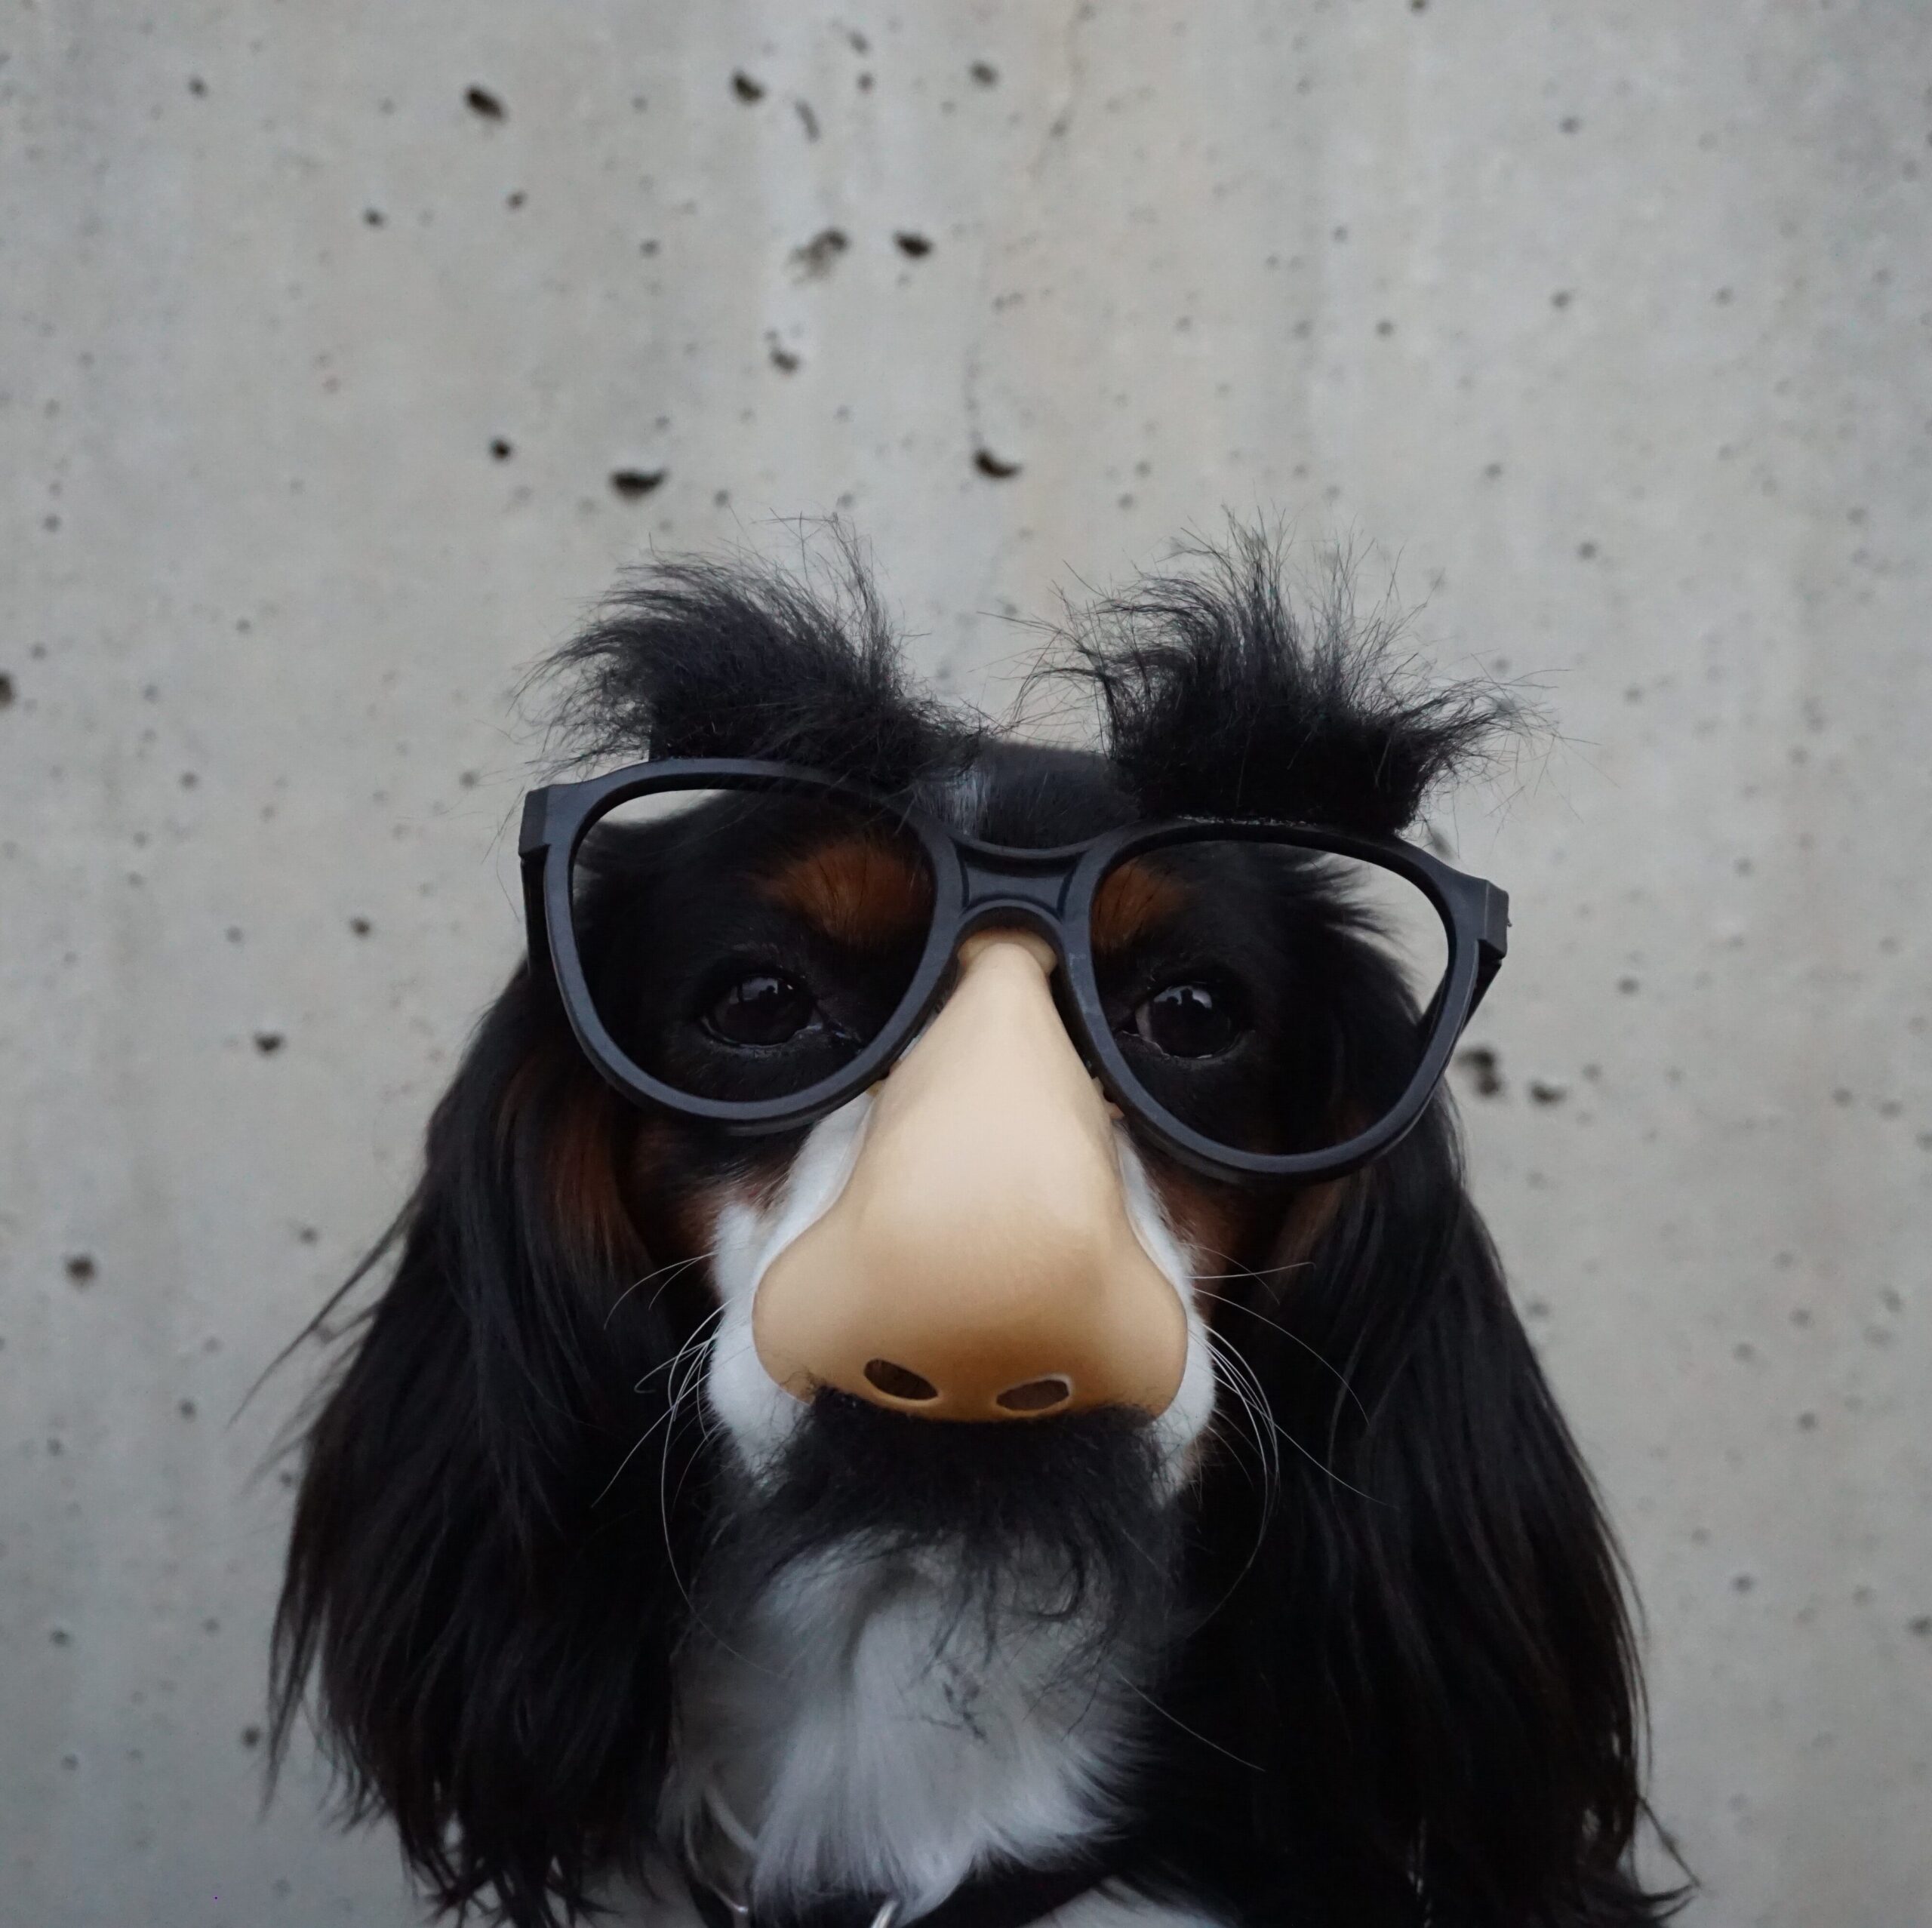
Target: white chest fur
<point x="853" y="1737"/>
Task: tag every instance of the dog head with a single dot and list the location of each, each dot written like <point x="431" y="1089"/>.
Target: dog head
<point x="1251" y="1493"/>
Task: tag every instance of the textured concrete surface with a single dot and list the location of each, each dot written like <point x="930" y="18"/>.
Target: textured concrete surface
<point x="1616" y="321"/>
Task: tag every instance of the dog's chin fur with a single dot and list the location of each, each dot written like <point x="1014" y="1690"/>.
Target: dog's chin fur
<point x="907" y="1666"/>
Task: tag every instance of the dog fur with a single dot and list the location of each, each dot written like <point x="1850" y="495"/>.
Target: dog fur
<point x="581" y="1597"/>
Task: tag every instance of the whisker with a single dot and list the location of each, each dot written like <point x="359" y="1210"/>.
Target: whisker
<point x="1293" y="1338"/>
<point x="1268" y="1455"/>
<point x="1276" y="1426"/>
<point x="679" y="1393"/>
<point x="673" y="1270"/>
<point x="1255" y="1271"/>
<point x="1242" y="1382"/>
<point x="1168" y="1714"/>
<point x="697" y="1340"/>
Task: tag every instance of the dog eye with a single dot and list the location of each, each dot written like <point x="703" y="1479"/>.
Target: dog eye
<point x="763" y="1007"/>
<point x="1188" y="1021"/>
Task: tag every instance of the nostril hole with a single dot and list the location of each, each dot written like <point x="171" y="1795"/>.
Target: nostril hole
<point x="1037" y="1395"/>
<point x="898" y="1381"/>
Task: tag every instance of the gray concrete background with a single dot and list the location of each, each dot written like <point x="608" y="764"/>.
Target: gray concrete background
<point x="1612" y="319"/>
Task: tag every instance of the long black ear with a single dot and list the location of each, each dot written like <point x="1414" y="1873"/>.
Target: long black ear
<point x="1424" y="1660"/>
<point x="487" y="1630"/>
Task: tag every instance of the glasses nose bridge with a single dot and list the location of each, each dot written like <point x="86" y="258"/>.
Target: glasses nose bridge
<point x="1030" y="888"/>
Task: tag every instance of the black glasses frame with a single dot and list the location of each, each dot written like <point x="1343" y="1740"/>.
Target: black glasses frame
<point x="976" y="884"/>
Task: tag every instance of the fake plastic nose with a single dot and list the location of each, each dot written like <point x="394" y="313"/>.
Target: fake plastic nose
<point x="980" y="1263"/>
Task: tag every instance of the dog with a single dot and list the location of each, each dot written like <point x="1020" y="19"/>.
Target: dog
<point x="894" y="1399"/>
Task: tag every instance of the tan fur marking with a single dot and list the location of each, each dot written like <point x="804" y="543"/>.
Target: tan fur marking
<point x="857" y="890"/>
<point x="585" y="1194"/>
<point x="1307" y="1220"/>
<point x="581" y="1127"/>
<point x="1133" y="900"/>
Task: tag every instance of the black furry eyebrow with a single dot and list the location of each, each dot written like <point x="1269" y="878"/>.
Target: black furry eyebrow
<point x="693" y="657"/>
<point x="1218" y="697"/>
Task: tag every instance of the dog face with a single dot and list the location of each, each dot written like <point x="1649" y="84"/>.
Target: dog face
<point x="959" y="1477"/>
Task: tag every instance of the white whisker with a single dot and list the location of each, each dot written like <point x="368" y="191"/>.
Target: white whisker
<point x="696" y="1341"/>
<point x="667" y="1273"/>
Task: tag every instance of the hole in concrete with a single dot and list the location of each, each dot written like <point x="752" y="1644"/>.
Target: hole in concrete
<point x="1484" y="1069"/>
<point x="994" y="467"/>
<point x="480" y="100"/>
<point x="898" y="1381"/>
<point x="815" y="258"/>
<point x="1037" y="1395"/>
<point x="631" y="483"/>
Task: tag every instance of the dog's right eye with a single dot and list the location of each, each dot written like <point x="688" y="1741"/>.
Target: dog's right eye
<point x="763" y="1008"/>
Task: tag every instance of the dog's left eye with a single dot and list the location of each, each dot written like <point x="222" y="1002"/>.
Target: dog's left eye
<point x="1189" y="1020"/>
<point x="763" y="1007"/>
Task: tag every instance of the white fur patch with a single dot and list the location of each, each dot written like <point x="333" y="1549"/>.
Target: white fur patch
<point x="852" y="1738"/>
<point x="861" y="1742"/>
<point x="757" y="1412"/>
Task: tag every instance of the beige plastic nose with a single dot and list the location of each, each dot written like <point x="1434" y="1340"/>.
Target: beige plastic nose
<point x="980" y="1263"/>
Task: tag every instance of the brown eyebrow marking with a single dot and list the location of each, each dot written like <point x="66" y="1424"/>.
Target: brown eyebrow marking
<point x="857" y="890"/>
<point x="1131" y="901"/>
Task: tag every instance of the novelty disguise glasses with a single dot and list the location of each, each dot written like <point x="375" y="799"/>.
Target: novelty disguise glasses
<point x="751" y="944"/>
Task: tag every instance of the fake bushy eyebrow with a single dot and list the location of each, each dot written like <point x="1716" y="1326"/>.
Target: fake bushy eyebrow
<point x="1219" y="694"/>
<point x="696" y="658"/>
<point x="1222" y="696"/>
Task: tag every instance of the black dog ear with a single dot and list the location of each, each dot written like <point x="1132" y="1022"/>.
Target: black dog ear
<point x="486" y="1630"/>
<point x="1425" y="1656"/>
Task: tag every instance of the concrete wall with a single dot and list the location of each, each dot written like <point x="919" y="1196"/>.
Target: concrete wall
<point x="1612" y="319"/>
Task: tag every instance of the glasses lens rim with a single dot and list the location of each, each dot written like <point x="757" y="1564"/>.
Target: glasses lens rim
<point x="811" y="1101"/>
<point x="1444" y="1012"/>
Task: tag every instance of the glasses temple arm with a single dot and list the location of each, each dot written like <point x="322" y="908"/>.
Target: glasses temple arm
<point x="534" y="856"/>
<point x="1492" y="944"/>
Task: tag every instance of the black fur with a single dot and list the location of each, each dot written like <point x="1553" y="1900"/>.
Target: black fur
<point x="1425" y="1647"/>
<point x="1220" y="699"/>
<point x="488" y="1632"/>
<point x="1407" y="1655"/>
<point x="695" y="659"/>
<point x="1063" y="1521"/>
